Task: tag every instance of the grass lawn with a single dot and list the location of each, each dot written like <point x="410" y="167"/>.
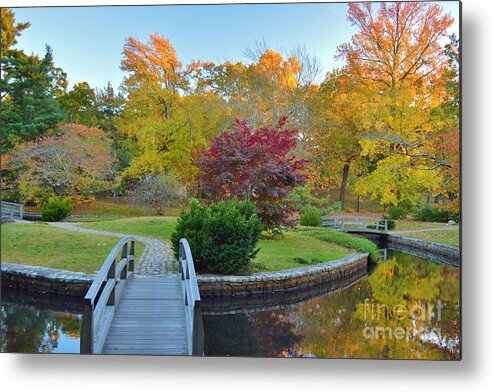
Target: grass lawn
<point x="295" y="249"/>
<point x="157" y="227"/>
<point x="110" y="209"/>
<point x="416" y="225"/>
<point x="450" y="237"/>
<point x="42" y="245"/>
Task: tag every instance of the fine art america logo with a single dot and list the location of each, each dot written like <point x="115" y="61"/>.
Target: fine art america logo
<point x="376" y="312"/>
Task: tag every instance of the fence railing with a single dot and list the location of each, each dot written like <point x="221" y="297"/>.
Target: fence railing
<point x="191" y="297"/>
<point x="104" y="295"/>
<point x="11" y="211"/>
<point x="347" y="223"/>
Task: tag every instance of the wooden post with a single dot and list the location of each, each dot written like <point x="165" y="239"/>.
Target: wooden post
<point x="21" y="212"/>
<point x="131" y="260"/>
<point x="385" y="228"/>
<point x="111" y="275"/>
<point x="198" y="331"/>
<point x="87" y="329"/>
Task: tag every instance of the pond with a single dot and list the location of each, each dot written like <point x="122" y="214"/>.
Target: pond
<point x="39" y="324"/>
<point x="406" y="307"/>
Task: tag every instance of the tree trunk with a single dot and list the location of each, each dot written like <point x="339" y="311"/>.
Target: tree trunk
<point x="345" y="173"/>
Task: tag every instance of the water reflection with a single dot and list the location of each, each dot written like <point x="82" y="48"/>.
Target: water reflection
<point x="406" y="308"/>
<point x="47" y="327"/>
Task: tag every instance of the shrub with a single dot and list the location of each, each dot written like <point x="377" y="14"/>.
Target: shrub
<point x="434" y="214"/>
<point x="398" y="212"/>
<point x="56" y="209"/>
<point x="222" y="237"/>
<point x="311" y="216"/>
<point x="347" y="240"/>
<point x="336" y="207"/>
<point x="390" y="222"/>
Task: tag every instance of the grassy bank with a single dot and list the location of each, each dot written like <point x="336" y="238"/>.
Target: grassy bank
<point x="42" y="245"/>
<point x="343" y="239"/>
<point x="295" y="249"/>
<point x="155" y="227"/>
<point x="450" y="237"/>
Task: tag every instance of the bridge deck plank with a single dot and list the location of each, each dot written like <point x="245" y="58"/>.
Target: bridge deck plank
<point x="150" y="319"/>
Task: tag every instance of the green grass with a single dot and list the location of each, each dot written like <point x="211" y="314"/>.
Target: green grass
<point x="274" y="255"/>
<point x="416" y="225"/>
<point x="156" y="227"/>
<point x="450" y="237"/>
<point x="297" y="248"/>
<point x="343" y="239"/>
<point x="42" y="245"/>
<point x="107" y="208"/>
<point x="281" y="253"/>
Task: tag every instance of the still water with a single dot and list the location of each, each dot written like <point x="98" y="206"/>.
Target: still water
<point x="33" y="325"/>
<point x="406" y="307"/>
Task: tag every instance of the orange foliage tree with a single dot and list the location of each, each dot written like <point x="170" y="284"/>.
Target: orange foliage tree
<point x="75" y="162"/>
<point x="397" y="59"/>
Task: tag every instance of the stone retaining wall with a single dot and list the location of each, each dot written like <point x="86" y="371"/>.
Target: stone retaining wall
<point x="283" y="281"/>
<point x="45" y="280"/>
<point x="443" y="253"/>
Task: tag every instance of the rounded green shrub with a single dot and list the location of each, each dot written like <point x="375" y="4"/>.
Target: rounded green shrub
<point x="311" y="216"/>
<point x="430" y="213"/>
<point x="222" y="236"/>
<point x="398" y="212"/>
<point x="56" y="209"/>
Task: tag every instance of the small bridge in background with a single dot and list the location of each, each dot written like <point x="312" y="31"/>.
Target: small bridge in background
<point x="11" y="211"/>
<point x="126" y="313"/>
<point x="354" y="223"/>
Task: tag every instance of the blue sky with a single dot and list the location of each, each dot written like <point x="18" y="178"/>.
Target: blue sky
<point x="88" y="41"/>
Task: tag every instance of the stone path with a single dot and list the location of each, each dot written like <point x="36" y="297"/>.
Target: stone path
<point x="422" y="230"/>
<point x="156" y="259"/>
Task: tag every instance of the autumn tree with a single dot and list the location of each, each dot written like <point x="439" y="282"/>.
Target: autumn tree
<point x="75" y="162"/>
<point x="256" y="165"/>
<point x="398" y="58"/>
<point x="165" y="119"/>
<point x="10" y="30"/>
<point x="272" y="85"/>
<point x="337" y="132"/>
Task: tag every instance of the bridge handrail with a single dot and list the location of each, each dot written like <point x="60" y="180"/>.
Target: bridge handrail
<point x="362" y="222"/>
<point x="104" y="294"/>
<point x="191" y="296"/>
<point x="13" y="209"/>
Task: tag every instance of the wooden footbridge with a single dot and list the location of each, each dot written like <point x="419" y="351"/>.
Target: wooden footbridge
<point x="126" y="313"/>
<point x="354" y="223"/>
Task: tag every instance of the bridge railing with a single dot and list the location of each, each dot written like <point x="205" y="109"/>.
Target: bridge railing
<point x="346" y="223"/>
<point x="104" y="295"/>
<point x="191" y="296"/>
<point x="11" y="211"/>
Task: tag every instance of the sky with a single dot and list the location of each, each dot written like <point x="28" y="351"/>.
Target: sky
<point x="87" y="42"/>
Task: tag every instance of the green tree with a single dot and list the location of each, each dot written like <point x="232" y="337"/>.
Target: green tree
<point x="79" y="105"/>
<point x="29" y="106"/>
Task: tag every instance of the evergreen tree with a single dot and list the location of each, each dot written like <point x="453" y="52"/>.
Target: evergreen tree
<point x="29" y="107"/>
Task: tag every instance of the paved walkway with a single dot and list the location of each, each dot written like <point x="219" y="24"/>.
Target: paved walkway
<point x="155" y="260"/>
